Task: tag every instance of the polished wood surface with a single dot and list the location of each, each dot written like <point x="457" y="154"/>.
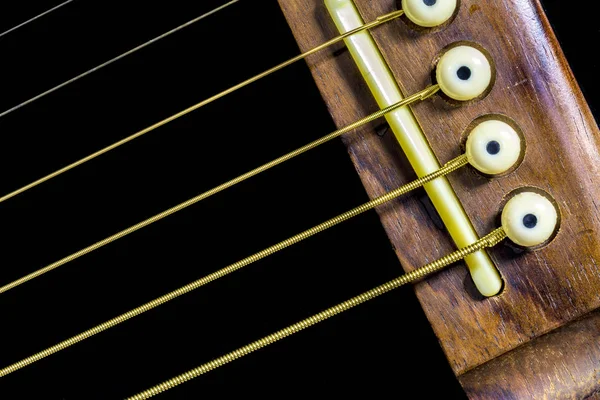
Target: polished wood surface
<point x="567" y="358"/>
<point x="544" y="289"/>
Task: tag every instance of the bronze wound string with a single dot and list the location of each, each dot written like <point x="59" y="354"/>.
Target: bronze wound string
<point x="488" y="241"/>
<point x="448" y="168"/>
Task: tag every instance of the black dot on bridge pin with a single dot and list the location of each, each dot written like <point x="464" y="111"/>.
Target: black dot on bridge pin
<point x="530" y="221"/>
<point x="493" y="147"/>
<point x="463" y="73"/>
<point x="430" y="2"/>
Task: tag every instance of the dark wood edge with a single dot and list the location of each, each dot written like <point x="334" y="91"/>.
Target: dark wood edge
<point x="563" y="364"/>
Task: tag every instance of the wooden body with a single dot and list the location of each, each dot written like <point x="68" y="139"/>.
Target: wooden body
<point x="562" y="364"/>
<point x="544" y="289"/>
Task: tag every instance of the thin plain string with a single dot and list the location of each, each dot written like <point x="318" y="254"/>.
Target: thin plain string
<point x="379" y="21"/>
<point x="109" y="62"/>
<point x="449" y="167"/>
<point x="422" y="95"/>
<point x="35" y="18"/>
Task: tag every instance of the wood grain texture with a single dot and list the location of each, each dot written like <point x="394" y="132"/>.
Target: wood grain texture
<point x="559" y="365"/>
<point x="544" y="289"/>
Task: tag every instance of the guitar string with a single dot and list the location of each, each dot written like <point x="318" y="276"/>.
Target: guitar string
<point x="119" y="57"/>
<point x="22" y="24"/>
<point x="446" y="169"/>
<point x="420" y="96"/>
<point x="379" y="21"/>
<point x="488" y="241"/>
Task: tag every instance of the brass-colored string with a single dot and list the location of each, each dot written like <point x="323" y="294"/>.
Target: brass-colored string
<point x="488" y="241"/>
<point x="449" y="167"/>
<point x="377" y="22"/>
<point x="117" y="58"/>
<point x="409" y="100"/>
<point x="22" y="24"/>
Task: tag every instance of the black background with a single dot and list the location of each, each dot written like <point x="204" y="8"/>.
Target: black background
<point x="385" y="346"/>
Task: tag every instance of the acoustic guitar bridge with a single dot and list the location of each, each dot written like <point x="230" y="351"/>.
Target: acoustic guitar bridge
<point x="413" y="142"/>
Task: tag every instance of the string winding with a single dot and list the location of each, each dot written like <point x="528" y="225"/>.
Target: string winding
<point x="449" y="167"/>
<point x="488" y="241"/>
